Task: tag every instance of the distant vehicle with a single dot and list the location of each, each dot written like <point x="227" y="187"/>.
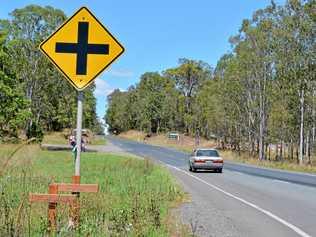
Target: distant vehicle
<point x="206" y="159"/>
<point x="174" y="136"/>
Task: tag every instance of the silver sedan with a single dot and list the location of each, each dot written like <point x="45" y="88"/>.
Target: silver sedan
<point x="206" y="159"/>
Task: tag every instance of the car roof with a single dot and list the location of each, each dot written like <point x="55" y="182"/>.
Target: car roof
<point x="205" y="149"/>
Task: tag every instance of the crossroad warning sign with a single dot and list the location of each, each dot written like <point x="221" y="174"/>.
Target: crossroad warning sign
<point x="82" y="48"/>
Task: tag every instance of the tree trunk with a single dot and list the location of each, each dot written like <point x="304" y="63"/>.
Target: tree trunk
<point x="250" y="142"/>
<point x="262" y="116"/>
<point x="301" y="142"/>
<point x="261" y="140"/>
<point x="252" y="148"/>
<point x="313" y="124"/>
<point x="158" y="127"/>
<point x="307" y="153"/>
<point x="29" y="95"/>
<point x="281" y="151"/>
<point x="292" y="150"/>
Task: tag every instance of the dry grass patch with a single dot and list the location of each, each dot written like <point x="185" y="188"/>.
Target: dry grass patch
<point x="60" y="138"/>
<point x="185" y="143"/>
<point x="55" y="138"/>
<point x="284" y="165"/>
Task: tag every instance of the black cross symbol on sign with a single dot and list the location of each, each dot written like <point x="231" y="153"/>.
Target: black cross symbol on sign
<point x="82" y="48"/>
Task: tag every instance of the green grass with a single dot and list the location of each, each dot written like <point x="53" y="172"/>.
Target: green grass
<point x="134" y="198"/>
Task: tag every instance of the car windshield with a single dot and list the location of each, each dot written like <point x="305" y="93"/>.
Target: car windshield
<point x="212" y="153"/>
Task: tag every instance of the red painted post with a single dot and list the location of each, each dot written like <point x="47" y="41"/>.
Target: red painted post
<point x="76" y="179"/>
<point x="52" y="211"/>
<point x="53" y="198"/>
<point x="82" y="188"/>
<point x="75" y="206"/>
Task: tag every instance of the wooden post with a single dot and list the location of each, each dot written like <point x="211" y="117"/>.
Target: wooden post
<point x="53" y="197"/>
<point x="75" y="206"/>
<point x="82" y="188"/>
<point x="52" y="211"/>
<point x="62" y="198"/>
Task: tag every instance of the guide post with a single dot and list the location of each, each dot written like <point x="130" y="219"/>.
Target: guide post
<point x="79" y="133"/>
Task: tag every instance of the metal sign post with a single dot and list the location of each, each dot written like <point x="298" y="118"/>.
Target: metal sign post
<point x="78" y="134"/>
<point x="75" y="206"/>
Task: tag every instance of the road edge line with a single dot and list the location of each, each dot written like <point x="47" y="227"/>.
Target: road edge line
<point x="268" y="213"/>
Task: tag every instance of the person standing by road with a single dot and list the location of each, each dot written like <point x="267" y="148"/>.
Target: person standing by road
<point x="72" y="141"/>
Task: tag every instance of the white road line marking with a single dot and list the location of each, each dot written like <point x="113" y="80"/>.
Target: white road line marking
<point x="268" y="213"/>
<point x="281" y="181"/>
<point x="237" y="172"/>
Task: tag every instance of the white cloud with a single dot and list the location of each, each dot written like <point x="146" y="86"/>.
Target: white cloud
<point x="121" y="72"/>
<point x="102" y="88"/>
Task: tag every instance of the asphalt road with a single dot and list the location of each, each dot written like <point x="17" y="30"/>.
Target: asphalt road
<point x="237" y="202"/>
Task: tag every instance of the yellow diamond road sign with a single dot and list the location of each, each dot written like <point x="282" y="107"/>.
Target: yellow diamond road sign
<point x="82" y="48"/>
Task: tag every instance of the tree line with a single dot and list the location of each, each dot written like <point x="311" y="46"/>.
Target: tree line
<point x="263" y="92"/>
<point x="34" y="96"/>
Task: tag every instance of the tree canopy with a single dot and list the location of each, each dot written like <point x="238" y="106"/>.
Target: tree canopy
<point x="34" y="95"/>
<point x="262" y="93"/>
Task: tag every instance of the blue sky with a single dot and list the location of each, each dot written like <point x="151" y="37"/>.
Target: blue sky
<point x="156" y="34"/>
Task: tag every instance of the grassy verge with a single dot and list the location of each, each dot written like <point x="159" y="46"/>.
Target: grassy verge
<point x="187" y="145"/>
<point x="134" y="198"/>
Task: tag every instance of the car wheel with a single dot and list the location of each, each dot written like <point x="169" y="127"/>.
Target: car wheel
<point x="190" y="168"/>
<point x="193" y="169"/>
<point x="220" y="170"/>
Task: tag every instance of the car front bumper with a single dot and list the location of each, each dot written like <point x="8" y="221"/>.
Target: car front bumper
<point x="207" y="165"/>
